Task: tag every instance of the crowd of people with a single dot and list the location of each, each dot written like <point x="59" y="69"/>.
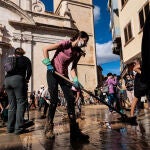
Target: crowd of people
<point x="17" y="79"/>
<point x="125" y="92"/>
<point x="117" y="91"/>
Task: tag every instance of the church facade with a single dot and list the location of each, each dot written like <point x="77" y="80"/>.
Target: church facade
<point x="26" y="24"/>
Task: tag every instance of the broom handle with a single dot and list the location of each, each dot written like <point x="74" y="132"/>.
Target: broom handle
<point x="71" y="82"/>
<point x="64" y="78"/>
<point x="90" y="93"/>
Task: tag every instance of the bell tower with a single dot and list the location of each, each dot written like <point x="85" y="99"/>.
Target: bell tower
<point x="82" y="13"/>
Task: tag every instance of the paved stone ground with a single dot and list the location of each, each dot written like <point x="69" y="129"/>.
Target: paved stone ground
<point x="113" y="135"/>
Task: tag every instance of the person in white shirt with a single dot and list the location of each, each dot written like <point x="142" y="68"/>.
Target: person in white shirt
<point x="46" y="97"/>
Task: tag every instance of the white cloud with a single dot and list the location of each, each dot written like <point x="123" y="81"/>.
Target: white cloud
<point x="104" y="53"/>
<point x="96" y="13"/>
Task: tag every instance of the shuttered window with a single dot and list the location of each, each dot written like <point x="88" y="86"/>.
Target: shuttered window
<point x="123" y="2"/>
<point x="128" y="33"/>
<point x="143" y="14"/>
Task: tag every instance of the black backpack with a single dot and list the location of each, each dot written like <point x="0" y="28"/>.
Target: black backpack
<point x="10" y="64"/>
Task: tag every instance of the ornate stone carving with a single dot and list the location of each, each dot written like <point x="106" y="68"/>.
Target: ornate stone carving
<point x="22" y="37"/>
<point x="5" y="36"/>
<point x="16" y="37"/>
<point x="65" y="11"/>
<point x="45" y="39"/>
<point x="27" y="37"/>
<point x="38" y="6"/>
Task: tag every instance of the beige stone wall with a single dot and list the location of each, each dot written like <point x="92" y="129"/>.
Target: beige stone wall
<point x="81" y="11"/>
<point x="57" y="2"/>
<point x="6" y="36"/>
<point x="87" y="76"/>
<point x="39" y="69"/>
<point x="16" y="2"/>
<point x="84" y="21"/>
<point x="23" y="31"/>
<point x="126" y="14"/>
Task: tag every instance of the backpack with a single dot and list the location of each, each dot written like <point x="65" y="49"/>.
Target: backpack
<point x="10" y="64"/>
<point x="105" y="89"/>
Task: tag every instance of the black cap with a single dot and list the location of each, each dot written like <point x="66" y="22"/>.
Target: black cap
<point x="109" y="74"/>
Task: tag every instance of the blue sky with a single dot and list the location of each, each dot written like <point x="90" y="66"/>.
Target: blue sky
<point x="105" y="58"/>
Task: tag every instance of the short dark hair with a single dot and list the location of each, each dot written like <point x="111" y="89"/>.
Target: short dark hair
<point x="109" y="74"/>
<point x="81" y="34"/>
<point x="137" y="60"/>
<point x="19" y="51"/>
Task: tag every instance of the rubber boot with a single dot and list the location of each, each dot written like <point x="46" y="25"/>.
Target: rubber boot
<point x="48" y="131"/>
<point x="76" y="134"/>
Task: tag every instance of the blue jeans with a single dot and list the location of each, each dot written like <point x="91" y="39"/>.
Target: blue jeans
<point x="17" y="97"/>
<point x="111" y="100"/>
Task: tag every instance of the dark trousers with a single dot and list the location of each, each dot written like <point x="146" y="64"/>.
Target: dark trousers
<point x="17" y="96"/>
<point x="53" y="81"/>
<point x="112" y="98"/>
<point x="46" y="105"/>
<point x="32" y="104"/>
<point x="41" y="103"/>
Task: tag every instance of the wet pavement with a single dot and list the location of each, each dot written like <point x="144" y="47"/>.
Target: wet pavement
<point x="104" y="129"/>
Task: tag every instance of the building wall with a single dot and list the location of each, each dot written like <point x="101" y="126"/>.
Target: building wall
<point x="21" y="31"/>
<point x="126" y="14"/>
<point x="56" y="3"/>
<point x="85" y="23"/>
<point x="6" y="36"/>
<point x="115" y="27"/>
<point x="32" y="30"/>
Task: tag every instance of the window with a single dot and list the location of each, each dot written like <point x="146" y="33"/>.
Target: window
<point x="128" y="33"/>
<point x="123" y="2"/>
<point x="143" y="14"/>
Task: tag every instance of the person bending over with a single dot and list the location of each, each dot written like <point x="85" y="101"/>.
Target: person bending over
<point x="67" y="51"/>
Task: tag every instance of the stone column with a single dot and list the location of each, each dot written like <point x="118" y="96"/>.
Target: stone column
<point x="27" y="45"/>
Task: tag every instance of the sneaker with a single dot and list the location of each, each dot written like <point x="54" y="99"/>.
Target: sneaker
<point x="21" y="131"/>
<point x="48" y="131"/>
<point x="129" y="120"/>
<point x="28" y="123"/>
<point x="132" y="121"/>
<point x="43" y="117"/>
<point x="76" y="134"/>
<point x="10" y="131"/>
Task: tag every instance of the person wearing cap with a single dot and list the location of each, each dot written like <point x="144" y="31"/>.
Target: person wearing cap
<point x="16" y="88"/>
<point x="67" y="52"/>
<point x="46" y="101"/>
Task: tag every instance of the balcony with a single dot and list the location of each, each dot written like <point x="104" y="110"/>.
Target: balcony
<point x="116" y="48"/>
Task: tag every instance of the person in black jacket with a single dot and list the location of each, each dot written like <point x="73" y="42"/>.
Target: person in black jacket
<point x="145" y="52"/>
<point x="16" y="88"/>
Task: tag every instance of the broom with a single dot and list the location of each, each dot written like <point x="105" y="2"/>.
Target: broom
<point x="124" y="117"/>
<point x="28" y="123"/>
